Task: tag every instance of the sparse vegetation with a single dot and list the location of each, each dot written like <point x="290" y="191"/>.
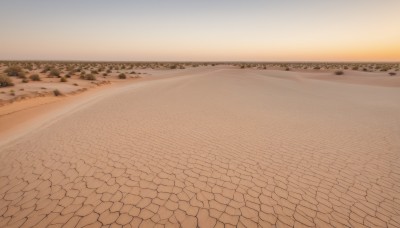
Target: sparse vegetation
<point x="35" y="77"/>
<point x="339" y="72"/>
<point x="89" y="77"/>
<point x="101" y="71"/>
<point x="15" y="71"/>
<point x="57" y="92"/>
<point x="5" y="81"/>
<point x="46" y="69"/>
<point x="69" y="74"/>
<point x="54" y="72"/>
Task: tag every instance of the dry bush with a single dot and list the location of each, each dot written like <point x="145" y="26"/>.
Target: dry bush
<point x="57" y="93"/>
<point x="339" y="72"/>
<point x="5" y="81"/>
<point x="55" y="72"/>
<point x="15" y="71"/>
<point x="122" y="76"/>
<point x="35" y="77"/>
<point x="89" y="77"/>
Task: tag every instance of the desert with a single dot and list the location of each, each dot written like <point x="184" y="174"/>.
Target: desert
<point x="199" y="114"/>
<point x="210" y="146"/>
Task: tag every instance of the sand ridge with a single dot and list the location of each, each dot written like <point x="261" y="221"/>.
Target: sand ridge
<point x="218" y="148"/>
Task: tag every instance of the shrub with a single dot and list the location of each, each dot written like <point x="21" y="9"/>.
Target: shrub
<point x="287" y="69"/>
<point x="12" y="92"/>
<point x="339" y="72"/>
<point x="392" y="73"/>
<point x="69" y="74"/>
<point x="22" y="75"/>
<point x="89" y="77"/>
<point x="54" y="72"/>
<point x="5" y="81"/>
<point x="57" y="92"/>
<point x="14" y="71"/>
<point x="25" y="80"/>
<point x="45" y="69"/>
<point x="63" y="79"/>
<point x="82" y="75"/>
<point x="122" y="76"/>
<point x="35" y="77"/>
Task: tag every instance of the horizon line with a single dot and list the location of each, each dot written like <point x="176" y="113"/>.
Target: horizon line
<point x="199" y="61"/>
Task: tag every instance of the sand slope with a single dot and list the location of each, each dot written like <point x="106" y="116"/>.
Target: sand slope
<point x="216" y="147"/>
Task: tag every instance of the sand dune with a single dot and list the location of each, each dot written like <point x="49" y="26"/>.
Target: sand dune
<point x="213" y="147"/>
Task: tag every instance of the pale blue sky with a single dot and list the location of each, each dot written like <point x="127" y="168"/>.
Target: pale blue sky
<point x="268" y="30"/>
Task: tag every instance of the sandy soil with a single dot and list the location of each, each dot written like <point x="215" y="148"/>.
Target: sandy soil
<point x="213" y="147"/>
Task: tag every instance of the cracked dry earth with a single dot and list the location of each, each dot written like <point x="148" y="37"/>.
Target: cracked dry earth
<point x="215" y="148"/>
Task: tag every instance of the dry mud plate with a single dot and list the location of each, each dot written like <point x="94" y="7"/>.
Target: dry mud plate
<point x="214" y="148"/>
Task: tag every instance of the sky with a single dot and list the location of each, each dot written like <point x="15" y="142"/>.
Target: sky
<point x="206" y="30"/>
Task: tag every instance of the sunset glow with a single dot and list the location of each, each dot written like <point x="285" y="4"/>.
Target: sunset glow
<point x="306" y="30"/>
